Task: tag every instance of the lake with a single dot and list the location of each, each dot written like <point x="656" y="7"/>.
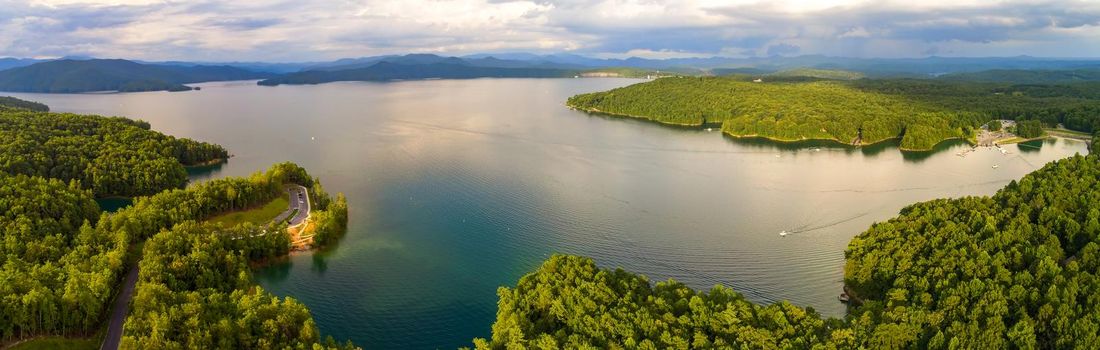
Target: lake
<point x="457" y="187"/>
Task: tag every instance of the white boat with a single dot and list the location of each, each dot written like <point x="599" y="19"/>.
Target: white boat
<point x="995" y="166"/>
<point x="783" y="233"/>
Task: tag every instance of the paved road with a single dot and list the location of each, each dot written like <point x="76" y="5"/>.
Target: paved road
<point x="120" y="310"/>
<point x="303" y="205"/>
<point x="299" y="199"/>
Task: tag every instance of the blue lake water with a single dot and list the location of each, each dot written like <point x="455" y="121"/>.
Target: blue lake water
<point x="458" y="187"/>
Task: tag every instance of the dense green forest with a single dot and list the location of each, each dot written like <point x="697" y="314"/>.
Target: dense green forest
<point x="195" y="292"/>
<point x="569" y="303"/>
<point x="1029" y="129"/>
<point x="786" y="111"/>
<point x="921" y="113"/>
<point x="331" y="219"/>
<point x="1015" y="270"/>
<point x="110" y="156"/>
<point x="12" y="102"/>
<point x="63" y="258"/>
<point x="195" y="289"/>
<point x="831" y="74"/>
<point x="1027" y="76"/>
<point x="58" y="271"/>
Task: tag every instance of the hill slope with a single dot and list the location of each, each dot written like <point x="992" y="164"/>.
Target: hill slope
<point x="783" y="111"/>
<point x="921" y="112"/>
<point x="1021" y="76"/>
<point x="69" y="76"/>
<point x="446" y="69"/>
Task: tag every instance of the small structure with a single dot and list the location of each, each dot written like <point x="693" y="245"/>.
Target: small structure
<point x="758" y="80"/>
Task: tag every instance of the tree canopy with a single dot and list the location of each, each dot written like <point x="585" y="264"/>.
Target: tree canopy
<point x="12" y="102"/>
<point x="195" y="292"/>
<point x="110" y="156"/>
<point x="63" y="258"/>
<point x="921" y="113"/>
<point x="57" y="271"/>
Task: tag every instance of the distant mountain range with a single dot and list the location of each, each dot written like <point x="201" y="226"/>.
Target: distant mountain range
<point x="386" y="70"/>
<point x="62" y="76"/>
<point x="83" y="75"/>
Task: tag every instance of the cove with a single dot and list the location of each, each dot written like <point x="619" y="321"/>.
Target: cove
<point x="457" y="187"/>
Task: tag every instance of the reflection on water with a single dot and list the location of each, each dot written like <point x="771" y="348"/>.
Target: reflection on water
<point x="458" y="187"/>
<point x="113" y="204"/>
<point x="205" y="172"/>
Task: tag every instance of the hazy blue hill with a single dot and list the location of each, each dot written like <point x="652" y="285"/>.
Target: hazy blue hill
<point x="8" y="62"/>
<point x="741" y="70"/>
<point x="263" y="67"/>
<point x="1036" y="76"/>
<point x="69" y="76"/>
<point x="831" y="74"/>
<point x="452" y="68"/>
<point x="347" y="63"/>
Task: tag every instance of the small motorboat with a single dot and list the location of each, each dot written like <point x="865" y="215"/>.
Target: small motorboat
<point x="995" y="166"/>
<point x="843" y="297"/>
<point x="783" y="233"/>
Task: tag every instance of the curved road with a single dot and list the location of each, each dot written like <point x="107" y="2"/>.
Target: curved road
<point x="299" y="199"/>
<point x="120" y="310"/>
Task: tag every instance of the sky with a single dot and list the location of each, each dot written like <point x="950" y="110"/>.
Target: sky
<point x="298" y="31"/>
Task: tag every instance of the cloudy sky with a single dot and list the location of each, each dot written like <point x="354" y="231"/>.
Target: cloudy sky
<point x="281" y="30"/>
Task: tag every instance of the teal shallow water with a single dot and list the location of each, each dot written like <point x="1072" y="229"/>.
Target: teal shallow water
<point x="457" y="187"/>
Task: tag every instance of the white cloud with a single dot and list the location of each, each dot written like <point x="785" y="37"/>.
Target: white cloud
<point x="322" y="30"/>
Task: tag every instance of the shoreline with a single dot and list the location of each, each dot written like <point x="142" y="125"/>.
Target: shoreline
<point x="838" y="142"/>
<point x="757" y="136"/>
<point x="211" y="162"/>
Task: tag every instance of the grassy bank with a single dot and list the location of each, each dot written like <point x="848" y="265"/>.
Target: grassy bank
<point x="57" y="343"/>
<point x="259" y="216"/>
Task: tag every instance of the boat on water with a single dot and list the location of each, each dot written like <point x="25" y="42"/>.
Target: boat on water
<point x="783" y="233"/>
<point x="995" y="166"/>
<point x="843" y="297"/>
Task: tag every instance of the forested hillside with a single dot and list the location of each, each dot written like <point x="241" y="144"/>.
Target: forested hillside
<point x="110" y="156"/>
<point x="195" y="292"/>
<point x="919" y="112"/>
<point x="569" y="303"/>
<point x="71" y="76"/>
<point x="1026" y="76"/>
<point x="784" y="111"/>
<point x="64" y="259"/>
<point x="57" y="272"/>
<point x="831" y="74"/>
<point x="12" y="102"/>
<point x="1015" y="270"/>
<point x="384" y="71"/>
